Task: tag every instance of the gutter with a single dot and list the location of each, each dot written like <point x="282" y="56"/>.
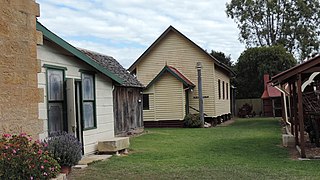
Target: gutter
<point x="285" y="104"/>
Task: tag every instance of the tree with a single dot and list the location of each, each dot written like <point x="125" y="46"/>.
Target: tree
<point x="291" y="23"/>
<point x="253" y="63"/>
<point x="220" y="56"/>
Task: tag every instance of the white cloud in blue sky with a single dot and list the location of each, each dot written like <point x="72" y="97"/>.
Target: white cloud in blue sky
<point x="125" y="29"/>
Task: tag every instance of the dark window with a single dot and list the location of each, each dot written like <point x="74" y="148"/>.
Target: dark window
<point x="223" y="89"/>
<point x="146" y="102"/>
<point x="55" y="84"/>
<point x="227" y="90"/>
<point x="219" y="88"/>
<point x="88" y="97"/>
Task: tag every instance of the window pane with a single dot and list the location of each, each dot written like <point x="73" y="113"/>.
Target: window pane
<point x="55" y="117"/>
<point x="88" y="115"/>
<point x="219" y="89"/>
<point x="55" y="84"/>
<point x="87" y="84"/>
<point x="223" y="89"/>
<point x="145" y="102"/>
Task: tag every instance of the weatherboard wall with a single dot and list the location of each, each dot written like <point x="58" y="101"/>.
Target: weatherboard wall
<point x="51" y="54"/>
<point x="169" y="98"/>
<point x="222" y="103"/>
<point x="176" y="51"/>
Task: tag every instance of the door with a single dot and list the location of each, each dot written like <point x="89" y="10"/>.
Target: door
<point x="78" y="104"/>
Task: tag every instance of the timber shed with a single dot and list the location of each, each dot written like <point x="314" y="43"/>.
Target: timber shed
<point x="301" y="85"/>
<point x="271" y="99"/>
<point x="127" y="97"/>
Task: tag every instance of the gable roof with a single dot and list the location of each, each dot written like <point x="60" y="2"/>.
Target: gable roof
<point x="113" y="66"/>
<point x="71" y="49"/>
<point x="176" y="73"/>
<point x="164" y="34"/>
<point x="270" y="92"/>
<point x="289" y="73"/>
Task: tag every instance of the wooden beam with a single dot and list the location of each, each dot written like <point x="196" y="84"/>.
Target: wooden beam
<point x="301" y="120"/>
<point x="283" y="112"/>
<point x="295" y="112"/>
<point x="312" y="70"/>
<point x="285" y="75"/>
<point x="291" y="106"/>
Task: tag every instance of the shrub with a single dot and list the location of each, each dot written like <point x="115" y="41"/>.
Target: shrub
<point x="21" y="158"/>
<point x="66" y="148"/>
<point x="192" y="121"/>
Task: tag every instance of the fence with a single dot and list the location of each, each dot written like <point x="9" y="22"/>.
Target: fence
<point x="256" y="105"/>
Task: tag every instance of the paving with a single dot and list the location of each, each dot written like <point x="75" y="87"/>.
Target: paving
<point x="86" y="160"/>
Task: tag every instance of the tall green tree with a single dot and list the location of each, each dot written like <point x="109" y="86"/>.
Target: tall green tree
<point x="222" y="57"/>
<point x="253" y="63"/>
<point x="291" y="23"/>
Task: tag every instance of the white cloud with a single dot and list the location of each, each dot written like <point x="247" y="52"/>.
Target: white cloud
<point x="124" y="29"/>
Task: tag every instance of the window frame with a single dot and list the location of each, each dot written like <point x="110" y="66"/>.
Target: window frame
<point x="143" y="102"/>
<point x="84" y="101"/>
<point x="223" y="90"/>
<point x="63" y="102"/>
<point x="219" y="88"/>
<point x="227" y="90"/>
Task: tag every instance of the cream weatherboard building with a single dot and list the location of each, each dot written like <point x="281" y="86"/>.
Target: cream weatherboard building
<point x="78" y="92"/>
<point x="168" y="70"/>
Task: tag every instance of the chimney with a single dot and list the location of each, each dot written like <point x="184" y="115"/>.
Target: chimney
<point x="266" y="79"/>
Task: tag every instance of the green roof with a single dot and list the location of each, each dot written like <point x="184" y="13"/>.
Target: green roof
<point x="68" y="47"/>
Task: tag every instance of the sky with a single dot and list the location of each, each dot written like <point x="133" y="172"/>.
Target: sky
<point x="124" y="29"/>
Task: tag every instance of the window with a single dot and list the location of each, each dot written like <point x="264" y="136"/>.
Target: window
<point x="227" y="90"/>
<point x="88" y="98"/>
<point x="55" y="86"/>
<point x="146" y="102"/>
<point x="219" y="88"/>
<point x="222" y="89"/>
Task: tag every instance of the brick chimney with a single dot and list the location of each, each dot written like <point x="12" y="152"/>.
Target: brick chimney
<point x="266" y="79"/>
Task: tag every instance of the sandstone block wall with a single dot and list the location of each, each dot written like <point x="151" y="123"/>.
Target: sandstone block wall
<point x="19" y="93"/>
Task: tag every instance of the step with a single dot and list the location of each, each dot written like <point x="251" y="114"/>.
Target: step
<point x="113" y="145"/>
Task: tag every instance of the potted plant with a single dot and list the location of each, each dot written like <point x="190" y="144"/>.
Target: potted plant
<point x="66" y="149"/>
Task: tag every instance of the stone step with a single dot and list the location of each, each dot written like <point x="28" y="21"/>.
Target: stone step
<point x="113" y="145"/>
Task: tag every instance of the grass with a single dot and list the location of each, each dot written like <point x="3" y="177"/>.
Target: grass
<point x="247" y="149"/>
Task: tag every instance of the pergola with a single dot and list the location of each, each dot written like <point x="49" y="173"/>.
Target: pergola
<point x="300" y="87"/>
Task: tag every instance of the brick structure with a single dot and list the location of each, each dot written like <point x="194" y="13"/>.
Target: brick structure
<point x="19" y="93"/>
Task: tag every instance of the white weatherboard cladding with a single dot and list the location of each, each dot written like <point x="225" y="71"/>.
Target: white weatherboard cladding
<point x="50" y="54"/>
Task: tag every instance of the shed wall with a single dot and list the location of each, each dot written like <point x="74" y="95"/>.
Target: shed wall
<point x="127" y="109"/>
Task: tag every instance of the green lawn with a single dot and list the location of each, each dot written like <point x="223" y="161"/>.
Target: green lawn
<point x="248" y="149"/>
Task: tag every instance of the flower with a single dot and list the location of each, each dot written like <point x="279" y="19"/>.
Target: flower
<point x="25" y="158"/>
<point x="6" y="135"/>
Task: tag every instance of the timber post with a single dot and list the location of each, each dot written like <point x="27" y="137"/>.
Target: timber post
<point x="301" y="122"/>
<point x="199" y="67"/>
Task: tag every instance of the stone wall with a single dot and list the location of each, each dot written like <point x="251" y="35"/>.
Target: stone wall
<point x="19" y="93"/>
